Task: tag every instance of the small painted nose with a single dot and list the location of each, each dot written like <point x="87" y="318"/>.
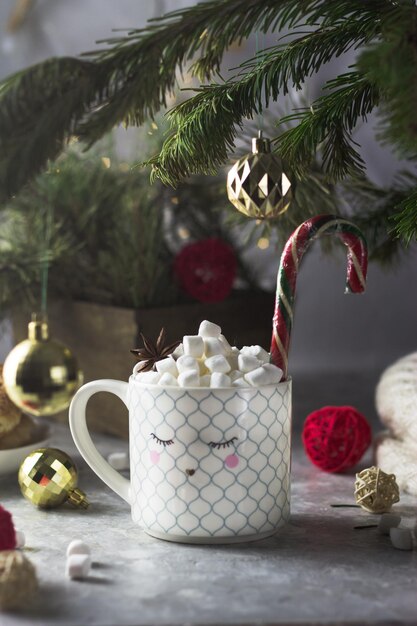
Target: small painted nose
<point x="190" y="472"/>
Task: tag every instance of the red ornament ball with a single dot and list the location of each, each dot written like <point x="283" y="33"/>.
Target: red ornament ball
<point x="336" y="437"/>
<point x="7" y="531"/>
<point x="206" y="269"/>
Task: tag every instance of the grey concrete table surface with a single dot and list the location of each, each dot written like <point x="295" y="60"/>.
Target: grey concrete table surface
<point x="318" y="570"/>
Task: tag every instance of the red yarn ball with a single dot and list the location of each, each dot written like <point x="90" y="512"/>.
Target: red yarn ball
<point x="7" y="531"/>
<point x="206" y="269"/>
<point x="336" y="437"/>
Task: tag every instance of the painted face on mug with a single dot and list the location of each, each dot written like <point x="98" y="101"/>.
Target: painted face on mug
<point x="205" y="458"/>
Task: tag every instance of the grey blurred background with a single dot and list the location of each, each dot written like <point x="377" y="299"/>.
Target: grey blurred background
<point x="349" y="335"/>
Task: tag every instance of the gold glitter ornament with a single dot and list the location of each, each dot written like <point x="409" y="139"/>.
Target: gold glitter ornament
<point x="41" y="375"/>
<point x="257" y="185"/>
<point x="48" y="477"/>
<point x="376" y="491"/>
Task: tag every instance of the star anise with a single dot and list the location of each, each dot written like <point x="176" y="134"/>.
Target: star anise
<point x="153" y="352"/>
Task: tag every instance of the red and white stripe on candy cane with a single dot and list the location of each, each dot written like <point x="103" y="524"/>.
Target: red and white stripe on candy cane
<point x="297" y="244"/>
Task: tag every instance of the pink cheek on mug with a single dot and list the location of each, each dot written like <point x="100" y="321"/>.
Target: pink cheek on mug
<point x="232" y="460"/>
<point x="155" y="456"/>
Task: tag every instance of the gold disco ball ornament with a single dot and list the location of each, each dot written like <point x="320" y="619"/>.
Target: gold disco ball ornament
<point x="48" y="477"/>
<point x="41" y="375"/>
<point x="257" y="185"/>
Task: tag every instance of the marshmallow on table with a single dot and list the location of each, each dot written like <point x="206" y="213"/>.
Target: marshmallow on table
<point x="218" y="379"/>
<point x="167" y="365"/>
<point x="76" y="546"/>
<point x="247" y="362"/>
<point x="168" y="380"/>
<point x="208" y="329"/>
<point x="213" y="346"/>
<point x="189" y="378"/>
<point x="119" y="460"/>
<point x="193" y="346"/>
<point x="388" y="521"/>
<point x="186" y="363"/>
<point x="267" y="374"/>
<point x="218" y="363"/>
<point x="78" y="565"/>
<point x="401" y="538"/>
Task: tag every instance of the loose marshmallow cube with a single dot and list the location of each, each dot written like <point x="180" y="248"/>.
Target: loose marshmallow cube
<point x="186" y="363"/>
<point x="149" y="378"/>
<point x="240" y="382"/>
<point x="401" y="538"/>
<point x="247" y="362"/>
<point x="76" y="546"/>
<point x="179" y="351"/>
<point x="257" y="351"/>
<point x="119" y="460"/>
<point x="167" y="366"/>
<point x="218" y="379"/>
<point x="388" y="521"/>
<point x="20" y="538"/>
<point x="218" y="363"/>
<point x="168" y="380"/>
<point x="193" y="345"/>
<point x="205" y="380"/>
<point x="226" y="345"/>
<point x="208" y="329"/>
<point x="213" y="346"/>
<point x="78" y="566"/>
<point x="189" y="378"/>
<point x="267" y="374"/>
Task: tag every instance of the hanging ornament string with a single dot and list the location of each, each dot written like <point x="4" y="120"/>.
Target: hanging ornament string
<point x="46" y="260"/>
<point x="260" y="112"/>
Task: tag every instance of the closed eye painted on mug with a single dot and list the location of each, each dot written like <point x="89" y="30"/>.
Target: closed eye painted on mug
<point x="222" y="444"/>
<point x="162" y="442"/>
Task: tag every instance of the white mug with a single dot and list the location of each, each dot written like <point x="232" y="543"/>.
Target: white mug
<point x="206" y="465"/>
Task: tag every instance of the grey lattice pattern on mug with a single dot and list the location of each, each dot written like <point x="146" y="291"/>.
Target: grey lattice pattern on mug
<point x="237" y="443"/>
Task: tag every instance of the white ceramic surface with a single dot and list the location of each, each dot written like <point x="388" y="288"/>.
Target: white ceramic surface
<point x="207" y="465"/>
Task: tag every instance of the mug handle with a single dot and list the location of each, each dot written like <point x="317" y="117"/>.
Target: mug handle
<point x="83" y="441"/>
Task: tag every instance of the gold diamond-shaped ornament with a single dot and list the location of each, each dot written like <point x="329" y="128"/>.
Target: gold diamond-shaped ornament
<point x="257" y="185"/>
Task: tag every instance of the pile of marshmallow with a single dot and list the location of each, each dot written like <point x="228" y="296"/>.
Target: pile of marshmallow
<point x="208" y="360"/>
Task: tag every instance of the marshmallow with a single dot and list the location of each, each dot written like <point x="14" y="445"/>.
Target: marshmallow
<point x="78" y="566"/>
<point x="186" y="363"/>
<point x="226" y="345"/>
<point x="257" y="351"/>
<point x="193" y="345"/>
<point x="189" y="378"/>
<point x="179" y="351"/>
<point x="267" y="374"/>
<point x="240" y="382"/>
<point x="168" y="380"/>
<point x="218" y="363"/>
<point x="388" y="521"/>
<point x="167" y="366"/>
<point x="150" y="378"/>
<point x="205" y="380"/>
<point x="208" y="329"/>
<point x="401" y="538"/>
<point x="247" y="362"/>
<point x="213" y="346"/>
<point x="235" y="374"/>
<point x="20" y="538"/>
<point x="233" y="360"/>
<point x="76" y="546"/>
<point x="218" y="379"/>
<point x="119" y="460"/>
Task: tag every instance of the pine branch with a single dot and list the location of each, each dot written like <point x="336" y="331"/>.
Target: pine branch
<point x="328" y="124"/>
<point x="406" y="218"/>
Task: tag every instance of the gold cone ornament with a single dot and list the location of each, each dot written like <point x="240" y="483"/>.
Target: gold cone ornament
<point x="41" y="375"/>
<point x="48" y="477"/>
<point x="257" y="185"/>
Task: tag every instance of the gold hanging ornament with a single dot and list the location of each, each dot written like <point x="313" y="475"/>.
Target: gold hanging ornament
<point x="48" y="477"/>
<point x="376" y="491"/>
<point x="41" y="375"/>
<point x="257" y="185"/>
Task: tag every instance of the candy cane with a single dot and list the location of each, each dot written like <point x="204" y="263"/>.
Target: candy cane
<point x="297" y="244"/>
